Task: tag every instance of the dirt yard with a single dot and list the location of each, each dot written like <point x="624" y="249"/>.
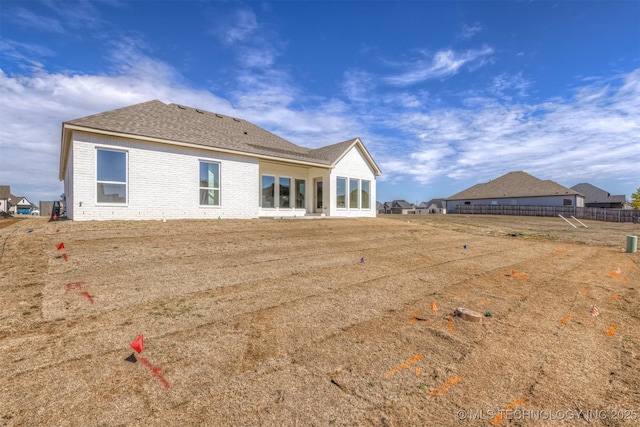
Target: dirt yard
<point x="325" y="322"/>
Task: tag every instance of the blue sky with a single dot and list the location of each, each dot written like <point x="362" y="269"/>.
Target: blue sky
<point x="444" y="94"/>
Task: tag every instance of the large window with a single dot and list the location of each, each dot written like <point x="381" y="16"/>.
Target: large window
<point x="353" y="194"/>
<point x="268" y="191"/>
<point x="365" y="204"/>
<point x="300" y="193"/>
<point x="209" y="184"/>
<point x="341" y="193"/>
<point x="111" y="176"/>
<point x="284" y="191"/>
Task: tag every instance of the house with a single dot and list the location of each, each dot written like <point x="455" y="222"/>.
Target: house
<point x="155" y="161"/>
<point x="20" y="205"/>
<point x="516" y="188"/>
<point x="380" y="208"/>
<point x="598" y="198"/>
<point x="400" y="207"/>
<point x="5" y="197"/>
<point x="433" y="206"/>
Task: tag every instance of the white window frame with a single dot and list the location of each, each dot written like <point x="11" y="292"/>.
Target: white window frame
<point x="280" y="178"/>
<point x="362" y="181"/>
<point x="357" y="195"/>
<point x="218" y="189"/>
<point x="275" y="195"/>
<point x="346" y="192"/>
<point x="125" y="183"/>
<point x="304" y="195"/>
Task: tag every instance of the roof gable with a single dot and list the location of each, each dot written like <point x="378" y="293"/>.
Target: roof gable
<point x="514" y="184"/>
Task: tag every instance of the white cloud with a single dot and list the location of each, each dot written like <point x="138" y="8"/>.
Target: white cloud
<point x="28" y="19"/>
<point x="243" y="26"/>
<point x="507" y="86"/>
<point x="468" y="31"/>
<point x="444" y="63"/>
<point x="24" y="55"/>
<point x="575" y="139"/>
<point x="358" y="85"/>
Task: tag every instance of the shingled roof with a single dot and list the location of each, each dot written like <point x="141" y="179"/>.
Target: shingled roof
<point x="5" y="192"/>
<point x="597" y="195"/>
<point x="173" y="123"/>
<point x="511" y="185"/>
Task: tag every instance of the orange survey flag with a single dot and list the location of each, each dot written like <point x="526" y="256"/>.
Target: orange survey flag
<point x="137" y="344"/>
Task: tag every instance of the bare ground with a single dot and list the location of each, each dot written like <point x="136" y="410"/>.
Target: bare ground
<point x="266" y="322"/>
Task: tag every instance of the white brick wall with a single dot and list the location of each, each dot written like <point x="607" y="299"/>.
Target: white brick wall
<point x="163" y="180"/>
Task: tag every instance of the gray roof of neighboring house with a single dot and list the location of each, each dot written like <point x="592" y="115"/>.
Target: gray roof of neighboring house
<point x="177" y="123"/>
<point x="438" y="202"/>
<point x="5" y="192"/>
<point x="597" y="195"/>
<point x="15" y="200"/>
<point x="401" y="204"/>
<point x="514" y="184"/>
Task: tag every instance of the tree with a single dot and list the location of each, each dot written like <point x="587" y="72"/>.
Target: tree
<point x="635" y="200"/>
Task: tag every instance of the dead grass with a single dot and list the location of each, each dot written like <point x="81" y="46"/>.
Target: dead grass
<point x="264" y="322"/>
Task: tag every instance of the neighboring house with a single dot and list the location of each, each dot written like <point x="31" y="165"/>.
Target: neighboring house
<point x="20" y="205"/>
<point x="5" y="197"/>
<point x="401" y="207"/>
<point x="380" y="208"/>
<point x="433" y="206"/>
<point x="598" y="198"/>
<point x="516" y="188"/>
<point x="155" y="161"/>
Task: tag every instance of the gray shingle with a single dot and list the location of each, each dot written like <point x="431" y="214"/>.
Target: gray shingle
<point x="513" y="184"/>
<point x="172" y="122"/>
<point x="594" y="194"/>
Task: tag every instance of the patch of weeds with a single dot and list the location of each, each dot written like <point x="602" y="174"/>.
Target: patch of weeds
<point x="332" y="422"/>
<point x="422" y="386"/>
<point x="26" y="313"/>
<point x="372" y="384"/>
<point x="34" y="307"/>
<point x="38" y="295"/>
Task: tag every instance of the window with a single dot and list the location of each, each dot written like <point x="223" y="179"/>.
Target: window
<point x="209" y="184"/>
<point x="567" y="202"/>
<point x="364" y="203"/>
<point x="353" y="193"/>
<point x="285" y="186"/>
<point x="268" y="191"/>
<point x="111" y="176"/>
<point x="341" y="193"/>
<point x="300" y="193"/>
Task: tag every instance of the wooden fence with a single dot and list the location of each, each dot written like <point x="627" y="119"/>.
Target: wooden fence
<point x="598" y="214"/>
